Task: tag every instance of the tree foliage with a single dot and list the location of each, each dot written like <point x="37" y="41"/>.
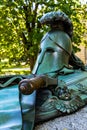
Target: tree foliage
<point x="21" y="32"/>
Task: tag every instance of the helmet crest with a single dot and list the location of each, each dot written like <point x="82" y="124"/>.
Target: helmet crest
<point x="58" y="20"/>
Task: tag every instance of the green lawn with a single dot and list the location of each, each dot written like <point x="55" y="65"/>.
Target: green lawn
<point x="6" y="69"/>
<point x="12" y="71"/>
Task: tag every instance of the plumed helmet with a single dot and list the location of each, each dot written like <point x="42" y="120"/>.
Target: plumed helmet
<point x="57" y="18"/>
<point x="55" y="47"/>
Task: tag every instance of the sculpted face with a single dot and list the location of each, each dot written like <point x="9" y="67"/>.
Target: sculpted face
<point x="52" y="55"/>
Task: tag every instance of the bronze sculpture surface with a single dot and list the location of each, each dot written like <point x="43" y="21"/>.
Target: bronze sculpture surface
<point x="58" y="76"/>
<point x="64" y="94"/>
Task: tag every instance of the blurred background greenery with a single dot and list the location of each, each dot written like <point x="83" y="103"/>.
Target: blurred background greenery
<point x="21" y="32"/>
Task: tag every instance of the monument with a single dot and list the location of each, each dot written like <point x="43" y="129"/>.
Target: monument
<point x="58" y="83"/>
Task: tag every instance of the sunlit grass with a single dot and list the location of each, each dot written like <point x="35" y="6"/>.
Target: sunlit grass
<point x="14" y="71"/>
<point x="6" y="69"/>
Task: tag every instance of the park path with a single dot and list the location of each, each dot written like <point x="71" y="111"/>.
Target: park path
<point x="76" y="121"/>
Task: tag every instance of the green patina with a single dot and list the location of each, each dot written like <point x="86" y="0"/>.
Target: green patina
<point x="59" y="77"/>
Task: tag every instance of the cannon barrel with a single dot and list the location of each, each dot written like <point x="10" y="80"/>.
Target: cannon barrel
<point x="27" y="86"/>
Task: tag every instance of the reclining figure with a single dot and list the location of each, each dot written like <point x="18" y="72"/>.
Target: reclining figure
<point x="58" y="83"/>
<point x="57" y="72"/>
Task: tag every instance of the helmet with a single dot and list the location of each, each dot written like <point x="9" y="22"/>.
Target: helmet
<point x="55" y="50"/>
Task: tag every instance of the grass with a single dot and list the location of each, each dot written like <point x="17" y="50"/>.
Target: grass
<point x="12" y="71"/>
<point x="6" y="69"/>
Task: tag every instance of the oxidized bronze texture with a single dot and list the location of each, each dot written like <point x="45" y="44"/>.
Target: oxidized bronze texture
<point x="55" y="51"/>
<point x="60" y="76"/>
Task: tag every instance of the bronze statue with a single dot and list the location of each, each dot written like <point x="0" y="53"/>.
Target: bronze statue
<point x="57" y="71"/>
<point x="58" y="76"/>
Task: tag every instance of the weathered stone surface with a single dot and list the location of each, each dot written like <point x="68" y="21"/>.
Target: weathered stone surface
<point x="75" y="121"/>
